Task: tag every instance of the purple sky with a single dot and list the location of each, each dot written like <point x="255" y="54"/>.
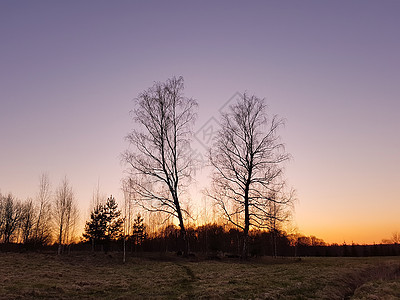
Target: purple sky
<point x="70" y="69"/>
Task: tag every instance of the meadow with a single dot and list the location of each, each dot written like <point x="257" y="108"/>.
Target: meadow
<point x="99" y="276"/>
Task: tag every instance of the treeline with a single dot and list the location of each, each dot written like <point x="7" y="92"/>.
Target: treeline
<point x="19" y="224"/>
<point x="49" y="221"/>
<point x="216" y="241"/>
<point x="49" y="218"/>
<point x="353" y="250"/>
<point x="44" y="222"/>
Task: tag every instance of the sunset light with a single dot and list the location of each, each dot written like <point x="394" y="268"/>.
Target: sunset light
<point x="280" y="117"/>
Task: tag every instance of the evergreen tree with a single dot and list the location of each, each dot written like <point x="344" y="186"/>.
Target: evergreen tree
<point x="113" y="219"/>
<point x="139" y="231"/>
<point x="105" y="224"/>
<point x="95" y="229"/>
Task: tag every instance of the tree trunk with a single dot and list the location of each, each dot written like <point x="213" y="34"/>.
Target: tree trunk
<point x="184" y="238"/>
<point x="60" y="241"/>
<point x="124" y="258"/>
<point x="245" y="244"/>
<point x="274" y="245"/>
<point x="246" y="220"/>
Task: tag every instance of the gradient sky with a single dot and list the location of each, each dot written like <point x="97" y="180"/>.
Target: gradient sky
<point x="70" y="69"/>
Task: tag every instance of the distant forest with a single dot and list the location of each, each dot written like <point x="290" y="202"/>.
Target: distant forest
<point x="21" y="229"/>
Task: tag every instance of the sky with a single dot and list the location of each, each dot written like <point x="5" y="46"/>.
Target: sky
<point x="69" y="71"/>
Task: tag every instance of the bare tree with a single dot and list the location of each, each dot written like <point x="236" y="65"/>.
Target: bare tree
<point x="42" y="230"/>
<point x="27" y="221"/>
<point x="247" y="157"/>
<point x="160" y="165"/>
<point x="279" y="212"/>
<point x="65" y="214"/>
<point x="395" y="239"/>
<point x="97" y="197"/>
<point x="71" y="225"/>
<point x="11" y="215"/>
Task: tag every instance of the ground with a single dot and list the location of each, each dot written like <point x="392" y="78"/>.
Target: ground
<point x="99" y="276"/>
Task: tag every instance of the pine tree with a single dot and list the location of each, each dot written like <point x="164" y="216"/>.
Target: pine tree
<point x="139" y="231"/>
<point x="114" y="219"/>
<point x="95" y="229"/>
<point x="105" y="224"/>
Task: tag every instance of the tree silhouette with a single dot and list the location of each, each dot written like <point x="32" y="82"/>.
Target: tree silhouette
<point x="278" y="212"/>
<point x="11" y="212"/>
<point x="95" y="228"/>
<point x="105" y="224"/>
<point x="27" y="221"/>
<point x="113" y="219"/>
<point x="65" y="214"/>
<point x="160" y="164"/>
<point x="139" y="231"/>
<point x="42" y="228"/>
<point x="246" y="155"/>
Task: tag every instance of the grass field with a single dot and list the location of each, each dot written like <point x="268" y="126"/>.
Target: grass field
<point x="88" y="276"/>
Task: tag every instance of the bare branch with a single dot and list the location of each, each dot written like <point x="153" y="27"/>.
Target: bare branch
<point x="159" y="165"/>
<point x="247" y="157"/>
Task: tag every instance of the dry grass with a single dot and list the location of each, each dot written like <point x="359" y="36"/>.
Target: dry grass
<point x="84" y="276"/>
